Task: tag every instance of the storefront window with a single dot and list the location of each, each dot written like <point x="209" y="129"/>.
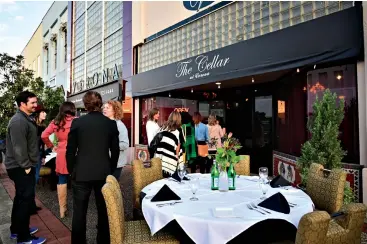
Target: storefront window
<point x="342" y="81"/>
<point x="291" y="119"/>
<point x="165" y="105"/>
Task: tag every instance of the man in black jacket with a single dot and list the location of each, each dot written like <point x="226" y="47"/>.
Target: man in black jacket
<point x="92" y="153"/>
<point x="21" y="159"/>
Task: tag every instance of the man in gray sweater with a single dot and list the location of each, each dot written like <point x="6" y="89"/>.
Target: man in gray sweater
<point x="20" y="161"/>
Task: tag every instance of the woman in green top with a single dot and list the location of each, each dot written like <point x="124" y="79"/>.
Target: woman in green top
<point x="189" y="146"/>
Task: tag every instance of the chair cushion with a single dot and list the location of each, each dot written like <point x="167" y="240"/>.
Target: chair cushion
<point x="45" y="171"/>
<point x="337" y="234"/>
<point x="139" y="232"/>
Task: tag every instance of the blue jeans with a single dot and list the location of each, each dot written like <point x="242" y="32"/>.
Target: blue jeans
<point x="38" y="169"/>
<point x="63" y="179"/>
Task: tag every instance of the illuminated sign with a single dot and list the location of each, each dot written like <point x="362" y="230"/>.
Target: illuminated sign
<point x="180" y="110"/>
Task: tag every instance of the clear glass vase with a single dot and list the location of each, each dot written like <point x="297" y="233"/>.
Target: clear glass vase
<point x="223" y="179"/>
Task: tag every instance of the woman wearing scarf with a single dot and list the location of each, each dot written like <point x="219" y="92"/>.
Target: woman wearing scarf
<point x="189" y="146"/>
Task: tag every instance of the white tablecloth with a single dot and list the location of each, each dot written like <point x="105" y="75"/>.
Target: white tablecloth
<point x="196" y="217"/>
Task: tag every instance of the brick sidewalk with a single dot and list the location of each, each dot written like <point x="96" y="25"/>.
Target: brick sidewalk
<point x="49" y="225"/>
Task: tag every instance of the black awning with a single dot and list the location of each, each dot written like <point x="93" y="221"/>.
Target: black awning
<point x="330" y="38"/>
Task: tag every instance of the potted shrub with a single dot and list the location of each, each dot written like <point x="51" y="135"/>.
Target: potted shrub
<point x="324" y="145"/>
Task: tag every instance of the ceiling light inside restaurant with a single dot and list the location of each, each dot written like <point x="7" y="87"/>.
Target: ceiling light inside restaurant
<point x="255" y="90"/>
<point x="253" y="80"/>
<point x="339" y="77"/>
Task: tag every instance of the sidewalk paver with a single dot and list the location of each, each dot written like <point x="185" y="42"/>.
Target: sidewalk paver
<point x="48" y="224"/>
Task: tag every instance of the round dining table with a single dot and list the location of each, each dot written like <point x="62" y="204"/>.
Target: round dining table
<point x="218" y="217"/>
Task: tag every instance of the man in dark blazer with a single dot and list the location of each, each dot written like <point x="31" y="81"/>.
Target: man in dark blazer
<point x="92" y="153"/>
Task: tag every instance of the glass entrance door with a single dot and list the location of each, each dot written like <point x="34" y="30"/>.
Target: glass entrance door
<point x="262" y="133"/>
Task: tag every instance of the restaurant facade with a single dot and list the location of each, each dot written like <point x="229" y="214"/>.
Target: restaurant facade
<point x="100" y="51"/>
<point x="259" y="67"/>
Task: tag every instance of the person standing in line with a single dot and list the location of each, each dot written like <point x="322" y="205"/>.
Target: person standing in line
<point x="215" y="137"/>
<point x="169" y="148"/>
<point x="22" y="155"/>
<point x="152" y="127"/>
<point x="202" y="140"/>
<point x="92" y="154"/>
<point x="39" y="117"/>
<point x="60" y="126"/>
<point x="113" y="110"/>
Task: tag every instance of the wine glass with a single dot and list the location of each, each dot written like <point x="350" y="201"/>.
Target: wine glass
<point x="194" y="186"/>
<point x="264" y="189"/>
<point x="263" y="174"/>
<point x="181" y="171"/>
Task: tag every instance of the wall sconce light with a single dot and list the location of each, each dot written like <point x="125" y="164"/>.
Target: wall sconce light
<point x="339" y="77"/>
<point x="169" y="94"/>
<point x="192" y="90"/>
<point x="218" y="83"/>
<point x="253" y="80"/>
<point x="297" y="70"/>
<point x="314" y="67"/>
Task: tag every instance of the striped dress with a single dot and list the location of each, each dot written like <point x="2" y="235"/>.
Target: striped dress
<point x="166" y="151"/>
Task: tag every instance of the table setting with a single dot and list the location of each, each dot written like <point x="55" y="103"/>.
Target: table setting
<point x="213" y="216"/>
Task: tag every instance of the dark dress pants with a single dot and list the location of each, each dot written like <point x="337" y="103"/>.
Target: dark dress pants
<point x="81" y="193"/>
<point x="23" y="201"/>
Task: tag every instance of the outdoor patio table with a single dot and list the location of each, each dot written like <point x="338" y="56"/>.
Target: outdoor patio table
<point x="197" y="220"/>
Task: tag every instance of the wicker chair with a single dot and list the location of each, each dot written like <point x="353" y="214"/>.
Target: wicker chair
<point x="243" y="166"/>
<point x="144" y="176"/>
<point x="327" y="192"/>
<point x="317" y="227"/>
<point x="127" y="232"/>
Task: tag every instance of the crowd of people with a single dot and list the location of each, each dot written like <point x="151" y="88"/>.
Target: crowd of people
<point x="88" y="149"/>
<point x="184" y="138"/>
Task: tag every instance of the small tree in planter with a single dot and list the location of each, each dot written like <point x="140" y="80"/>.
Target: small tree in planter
<point x="324" y="146"/>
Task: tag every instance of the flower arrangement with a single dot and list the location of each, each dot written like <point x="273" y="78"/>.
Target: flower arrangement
<point x="213" y="143"/>
<point x="227" y="154"/>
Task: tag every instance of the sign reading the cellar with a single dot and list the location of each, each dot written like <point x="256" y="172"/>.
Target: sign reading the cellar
<point x="200" y="66"/>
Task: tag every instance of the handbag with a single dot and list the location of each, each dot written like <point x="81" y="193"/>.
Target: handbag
<point x="203" y="150"/>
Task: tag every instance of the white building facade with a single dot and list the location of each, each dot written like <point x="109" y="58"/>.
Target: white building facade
<point x="55" y="46"/>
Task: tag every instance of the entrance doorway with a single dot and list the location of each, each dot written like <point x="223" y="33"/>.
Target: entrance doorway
<point x="249" y="116"/>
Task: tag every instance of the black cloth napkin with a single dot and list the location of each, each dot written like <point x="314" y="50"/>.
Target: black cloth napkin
<point x="279" y="181"/>
<point x="276" y="202"/>
<point x="176" y="177"/>
<point x="165" y="194"/>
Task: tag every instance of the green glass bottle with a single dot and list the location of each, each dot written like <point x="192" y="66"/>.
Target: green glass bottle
<point x="215" y="176"/>
<point x="231" y="178"/>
